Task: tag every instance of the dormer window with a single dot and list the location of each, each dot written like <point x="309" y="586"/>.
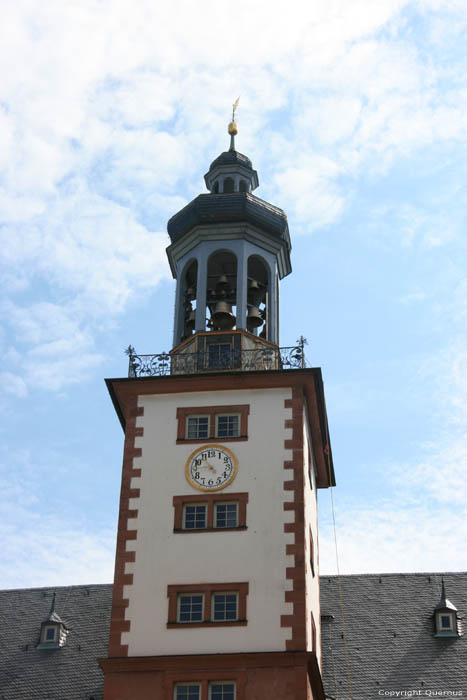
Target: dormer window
<point x="49" y="634"/>
<point x="446" y="622"/>
<point x="445" y="617"/>
<point x="53" y="631"/>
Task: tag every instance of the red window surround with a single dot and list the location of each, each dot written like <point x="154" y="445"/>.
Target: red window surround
<point x="212" y="411"/>
<point x="210" y="499"/>
<point x="208" y="589"/>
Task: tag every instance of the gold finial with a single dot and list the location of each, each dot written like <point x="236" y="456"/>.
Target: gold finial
<point x="233" y="128"/>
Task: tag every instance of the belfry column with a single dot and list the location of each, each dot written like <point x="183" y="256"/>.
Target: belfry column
<point x="200" y="321"/>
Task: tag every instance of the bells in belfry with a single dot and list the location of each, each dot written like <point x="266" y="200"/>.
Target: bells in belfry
<point x="255" y="292"/>
<point x="254" y="318"/>
<point x="222" y="283"/>
<point x="190" y="293"/>
<point x="190" y="320"/>
<point x="253" y="286"/>
<point x="222" y="316"/>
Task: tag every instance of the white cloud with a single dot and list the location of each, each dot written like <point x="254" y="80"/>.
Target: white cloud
<point x="419" y="522"/>
<point x="42" y="544"/>
<point x="106" y="117"/>
<point x="12" y="384"/>
<point x="395" y="537"/>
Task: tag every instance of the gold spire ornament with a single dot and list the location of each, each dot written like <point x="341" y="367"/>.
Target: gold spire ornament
<point x="233" y="128"/>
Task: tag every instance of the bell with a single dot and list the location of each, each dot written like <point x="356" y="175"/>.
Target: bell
<point x="222" y="282"/>
<point x="190" y="320"/>
<point x="190" y="293"/>
<point x="254" y="320"/>
<point x="222" y="316"/>
<point x="255" y="293"/>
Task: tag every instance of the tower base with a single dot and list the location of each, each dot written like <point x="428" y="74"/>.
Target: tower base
<point x="257" y="676"/>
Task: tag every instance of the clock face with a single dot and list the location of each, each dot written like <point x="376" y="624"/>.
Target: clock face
<point x="211" y="468"/>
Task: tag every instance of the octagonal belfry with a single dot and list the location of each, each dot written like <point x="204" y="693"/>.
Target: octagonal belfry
<point x="228" y="251"/>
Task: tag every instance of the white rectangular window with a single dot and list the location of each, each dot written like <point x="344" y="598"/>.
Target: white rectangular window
<point x="228" y="426"/>
<point x="187" y="691"/>
<point x="221" y="690"/>
<point x="195" y="516"/>
<point x="190" y="607"/>
<point x="226" y="515"/>
<point x="197" y="427"/>
<point x="224" y="607"/>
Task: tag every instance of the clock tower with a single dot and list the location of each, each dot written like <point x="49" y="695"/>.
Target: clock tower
<point x="216" y="589"/>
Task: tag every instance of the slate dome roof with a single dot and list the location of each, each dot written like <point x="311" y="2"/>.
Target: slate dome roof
<point x="231" y="158"/>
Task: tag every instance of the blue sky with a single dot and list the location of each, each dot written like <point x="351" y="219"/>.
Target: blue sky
<point x="354" y="116"/>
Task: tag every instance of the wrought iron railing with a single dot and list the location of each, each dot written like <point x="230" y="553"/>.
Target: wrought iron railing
<point x="228" y="359"/>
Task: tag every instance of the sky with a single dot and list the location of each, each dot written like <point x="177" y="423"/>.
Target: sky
<point x="354" y="115"/>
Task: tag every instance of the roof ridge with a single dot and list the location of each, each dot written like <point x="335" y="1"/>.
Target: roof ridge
<point x="395" y="573"/>
<point x="56" y="588"/>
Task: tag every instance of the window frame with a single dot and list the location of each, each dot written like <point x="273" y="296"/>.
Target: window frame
<point x="194" y="504"/>
<point x="187" y="683"/>
<point x="185" y="412"/>
<point x="226" y="415"/>
<point x="218" y="503"/>
<point x="213" y="605"/>
<point x="204" y="680"/>
<point x="210" y="499"/>
<point x="221" y="682"/>
<point x="45" y="630"/>
<point x="186" y="594"/>
<point x="195" y="415"/>
<point x="450" y="631"/>
<point x="447" y="627"/>
<point x="175" y="591"/>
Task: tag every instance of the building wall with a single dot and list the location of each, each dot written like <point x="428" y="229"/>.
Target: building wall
<point x="256" y="676"/>
<point x="311" y="533"/>
<point x="256" y="555"/>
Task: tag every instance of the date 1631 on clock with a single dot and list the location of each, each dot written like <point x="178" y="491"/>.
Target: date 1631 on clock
<point x="211" y="468"/>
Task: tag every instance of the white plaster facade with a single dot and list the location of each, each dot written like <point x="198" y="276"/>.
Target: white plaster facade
<point x="311" y="525"/>
<point x="256" y="555"/>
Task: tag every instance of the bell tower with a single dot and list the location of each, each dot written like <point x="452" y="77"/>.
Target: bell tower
<point x="216" y="593"/>
<point x="228" y="251"/>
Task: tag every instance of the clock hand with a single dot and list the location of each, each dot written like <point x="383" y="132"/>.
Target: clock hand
<point x="209" y="466"/>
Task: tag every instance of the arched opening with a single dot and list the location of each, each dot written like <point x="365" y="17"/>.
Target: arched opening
<point x="242" y="186"/>
<point x="221" y="297"/>
<point x="215" y="189"/>
<point x="190" y="278"/>
<point x="257" y="296"/>
<point x="228" y="185"/>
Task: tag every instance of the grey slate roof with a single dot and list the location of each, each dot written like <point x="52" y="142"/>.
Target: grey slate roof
<point x="389" y="627"/>
<point x="231" y="158"/>
<point x="68" y="673"/>
<point x="229" y="208"/>
<point x="389" y="623"/>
